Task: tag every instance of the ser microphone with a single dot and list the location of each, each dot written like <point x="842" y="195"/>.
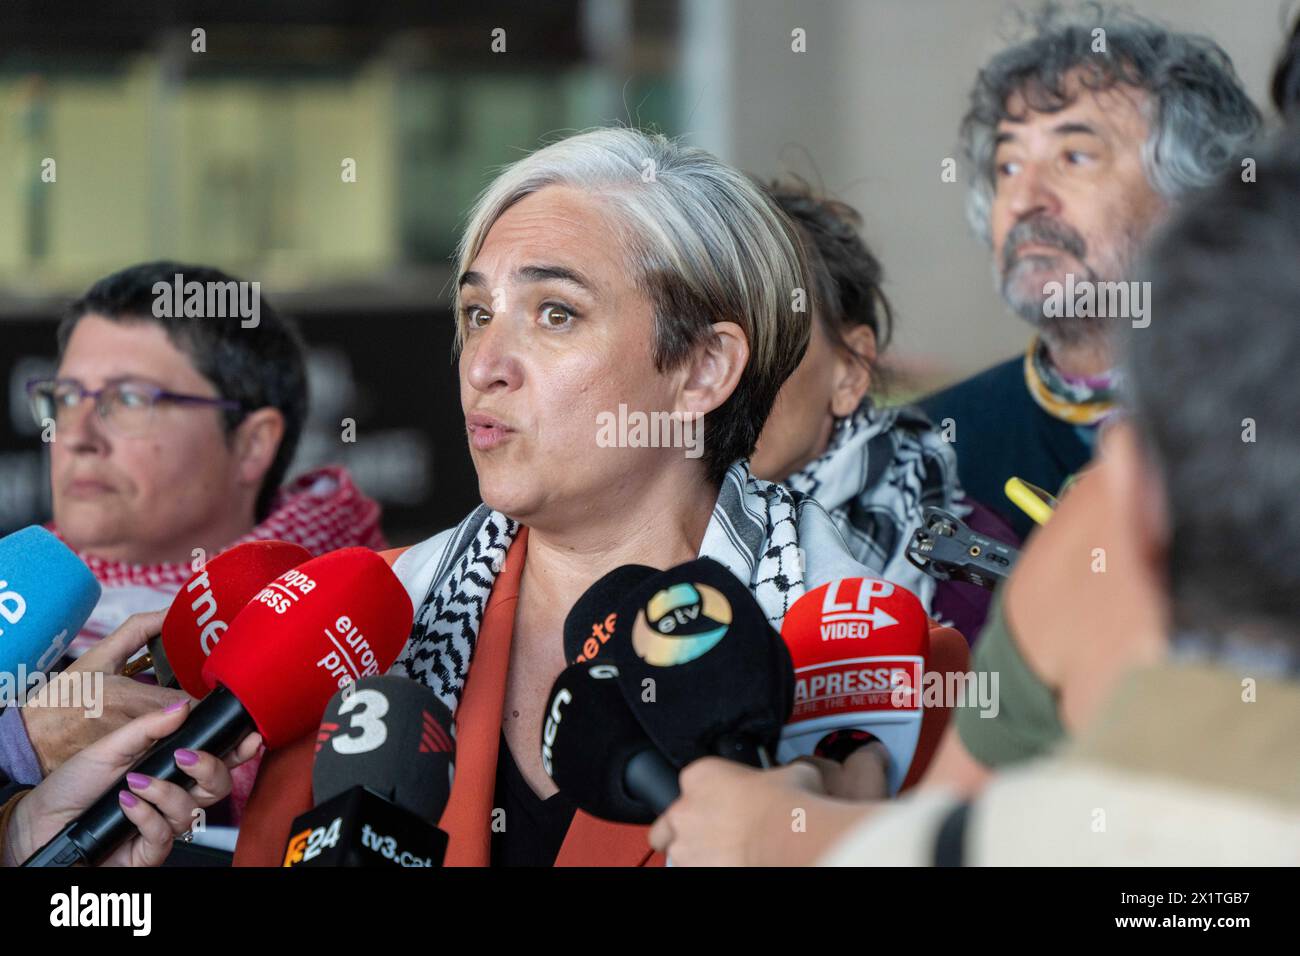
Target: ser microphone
<point x="596" y="751"/>
<point x="316" y="628"/>
<point x="381" y="779"/>
<point x="202" y="609"/>
<point x="46" y="595"/>
<point x="859" y="647"/>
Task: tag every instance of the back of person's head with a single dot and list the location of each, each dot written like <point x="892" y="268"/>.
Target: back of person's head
<point x="1214" y="383"/>
<point x="1285" y="87"/>
<point x="259" y="365"/>
<point x="847" y="276"/>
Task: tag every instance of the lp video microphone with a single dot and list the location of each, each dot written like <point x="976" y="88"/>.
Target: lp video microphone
<point x="860" y="647"/>
<point x="315" y="629"/>
<point x="381" y="779"/>
<point x="46" y="595"/>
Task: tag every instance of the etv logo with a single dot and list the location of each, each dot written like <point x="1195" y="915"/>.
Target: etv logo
<point x="849" y="619"/>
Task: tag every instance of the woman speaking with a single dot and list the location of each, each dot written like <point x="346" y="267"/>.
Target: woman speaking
<point x="606" y="281"/>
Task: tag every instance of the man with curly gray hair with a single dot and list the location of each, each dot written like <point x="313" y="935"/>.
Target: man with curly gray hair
<point x="1077" y="141"/>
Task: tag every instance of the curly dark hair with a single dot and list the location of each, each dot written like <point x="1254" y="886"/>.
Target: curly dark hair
<point x="848" y="277"/>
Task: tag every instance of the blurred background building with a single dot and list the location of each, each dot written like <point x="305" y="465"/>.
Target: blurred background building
<point x="233" y="157"/>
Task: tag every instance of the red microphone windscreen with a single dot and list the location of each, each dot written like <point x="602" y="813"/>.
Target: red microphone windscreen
<point x="859" y="647"/>
<point x="313" y="630"/>
<point x="206" y="604"/>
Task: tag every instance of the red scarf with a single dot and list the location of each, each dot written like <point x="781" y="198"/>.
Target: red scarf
<point x="321" y="510"/>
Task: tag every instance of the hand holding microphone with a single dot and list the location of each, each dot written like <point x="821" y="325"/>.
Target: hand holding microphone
<point x="59" y="732"/>
<point x="179" y="640"/>
<point x="312" y="631"/>
<point x="158" y="810"/>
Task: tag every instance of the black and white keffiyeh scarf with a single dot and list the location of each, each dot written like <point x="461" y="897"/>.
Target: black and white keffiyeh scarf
<point x="883" y="467"/>
<point x="779" y="542"/>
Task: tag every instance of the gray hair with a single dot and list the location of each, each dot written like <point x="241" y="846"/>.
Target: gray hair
<point x="1213" y="389"/>
<point x="706" y="244"/>
<point x="1200" y="116"/>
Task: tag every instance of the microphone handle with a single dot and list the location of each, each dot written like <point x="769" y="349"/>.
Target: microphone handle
<point x="650" y="778"/>
<point x="215" y="725"/>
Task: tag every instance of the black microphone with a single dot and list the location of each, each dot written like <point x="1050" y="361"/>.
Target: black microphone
<point x="592" y="622"/>
<point x="700" y="667"/>
<point x="597" y="753"/>
<point x="381" y="779"/>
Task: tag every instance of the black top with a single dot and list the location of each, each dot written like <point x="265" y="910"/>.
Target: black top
<point x="1000" y="432"/>
<point x="534" y="828"/>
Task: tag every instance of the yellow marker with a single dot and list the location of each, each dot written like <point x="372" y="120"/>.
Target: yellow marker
<point x="1030" y="499"/>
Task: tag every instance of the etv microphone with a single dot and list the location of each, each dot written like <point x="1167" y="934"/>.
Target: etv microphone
<point x="381" y="779"/>
<point x="859" y="647"/>
<point x="46" y="595"/>
<point x="596" y="751"/>
<point x="316" y="628"/>
<point x="201" y="610"/>
<point x="593" y="621"/>
<point x="700" y="667"/>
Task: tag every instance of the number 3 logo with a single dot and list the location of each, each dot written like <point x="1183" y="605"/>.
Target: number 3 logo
<point x="369" y="720"/>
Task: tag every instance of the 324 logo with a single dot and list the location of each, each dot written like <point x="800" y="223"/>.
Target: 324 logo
<point x="310" y="844"/>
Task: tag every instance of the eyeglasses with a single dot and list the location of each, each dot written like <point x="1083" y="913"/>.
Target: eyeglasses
<point x="126" y="408"/>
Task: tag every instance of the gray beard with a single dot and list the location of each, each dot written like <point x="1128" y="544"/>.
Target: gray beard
<point x="1057" y="331"/>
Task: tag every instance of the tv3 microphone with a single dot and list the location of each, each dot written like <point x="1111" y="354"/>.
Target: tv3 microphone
<point x="859" y="647"/>
<point x="343" y="616"/>
<point x="381" y="779"/>
<point x="202" y="609"/>
<point x="46" y="595"/>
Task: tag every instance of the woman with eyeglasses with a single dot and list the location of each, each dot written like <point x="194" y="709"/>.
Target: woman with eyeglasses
<point x="169" y="441"/>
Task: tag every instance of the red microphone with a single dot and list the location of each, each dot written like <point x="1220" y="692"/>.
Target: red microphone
<point x="315" y="628"/>
<point x="859" y="647"/>
<point x="206" y="604"/>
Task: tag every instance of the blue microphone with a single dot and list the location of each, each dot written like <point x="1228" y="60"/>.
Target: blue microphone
<point x="46" y="595"/>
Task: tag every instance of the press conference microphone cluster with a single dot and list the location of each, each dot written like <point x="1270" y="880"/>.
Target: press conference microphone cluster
<point x="46" y="595"/>
<point x="313" y="630"/>
<point x="668" y="667"/>
<point x="381" y="779"/>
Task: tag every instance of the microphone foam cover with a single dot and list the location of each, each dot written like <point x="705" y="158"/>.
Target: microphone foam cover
<point x="392" y="735"/>
<point x="593" y="621"/>
<point x="859" y="647"/>
<point x="311" y="631"/>
<point x="700" y="662"/>
<point x="588" y="737"/>
<point x="46" y="595"/>
<point x="202" y="610"/>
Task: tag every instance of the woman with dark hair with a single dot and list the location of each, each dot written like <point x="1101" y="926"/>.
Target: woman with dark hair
<point x="874" y="468"/>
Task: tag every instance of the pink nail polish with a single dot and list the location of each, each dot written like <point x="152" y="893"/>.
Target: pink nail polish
<point x="173" y="707"/>
<point x="137" y="781"/>
<point x="127" y="799"/>
<point x="186" y="758"/>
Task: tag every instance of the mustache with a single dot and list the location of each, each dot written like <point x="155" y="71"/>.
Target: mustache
<point x="1042" y="231"/>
